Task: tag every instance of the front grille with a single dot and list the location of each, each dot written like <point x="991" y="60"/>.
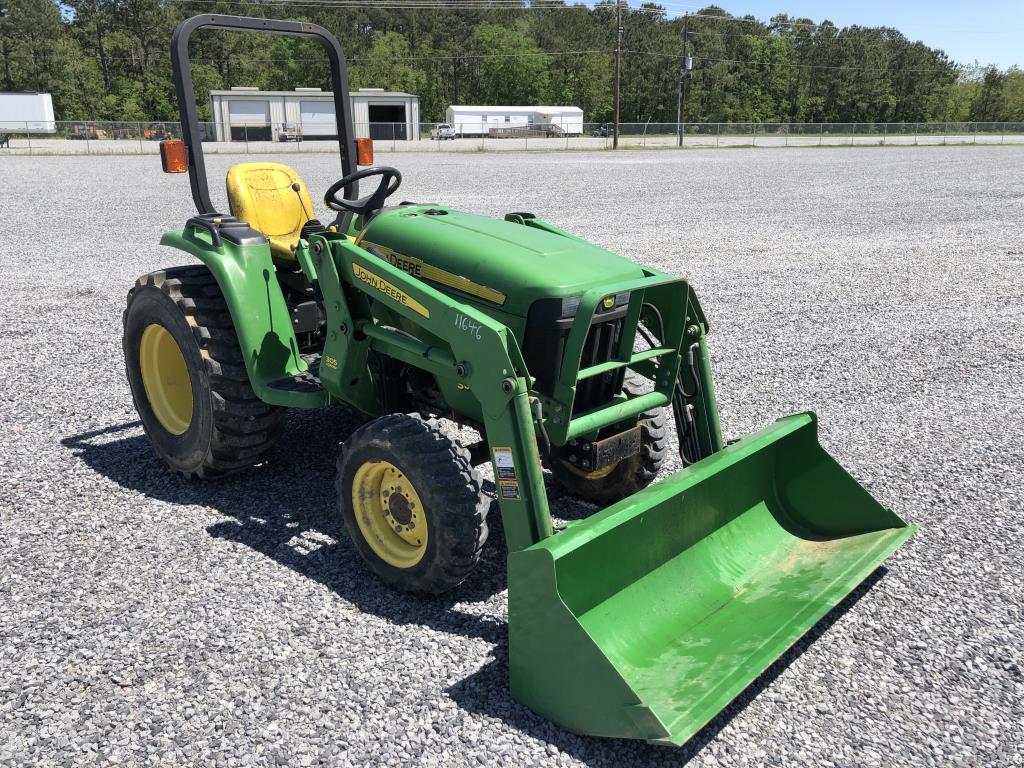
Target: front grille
<point x="544" y="350"/>
<point x="602" y="341"/>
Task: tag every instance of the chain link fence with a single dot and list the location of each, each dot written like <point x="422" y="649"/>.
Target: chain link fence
<point x="98" y="137"/>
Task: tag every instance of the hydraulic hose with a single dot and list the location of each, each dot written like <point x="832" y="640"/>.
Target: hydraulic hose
<point x="685" y="410"/>
<point x="657" y="342"/>
<point x="538" y="420"/>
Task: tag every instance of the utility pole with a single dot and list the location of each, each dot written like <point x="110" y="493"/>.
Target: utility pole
<point x="456" y="66"/>
<point x="684" y="72"/>
<point x="618" y="69"/>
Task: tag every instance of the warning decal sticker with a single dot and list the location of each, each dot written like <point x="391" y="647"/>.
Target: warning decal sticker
<point x="508" y="489"/>
<point x="504" y="465"/>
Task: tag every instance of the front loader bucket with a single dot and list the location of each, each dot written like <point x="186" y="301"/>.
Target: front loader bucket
<point x="648" y="618"/>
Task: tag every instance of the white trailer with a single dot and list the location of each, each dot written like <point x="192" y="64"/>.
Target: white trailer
<point x="26" y="113"/>
<point x="511" y="120"/>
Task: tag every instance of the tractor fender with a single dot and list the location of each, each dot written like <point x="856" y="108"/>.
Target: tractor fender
<point x="259" y="313"/>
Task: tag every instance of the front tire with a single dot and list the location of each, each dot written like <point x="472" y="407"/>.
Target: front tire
<point x="626" y="477"/>
<point x="412" y="503"/>
<point x="188" y="378"/>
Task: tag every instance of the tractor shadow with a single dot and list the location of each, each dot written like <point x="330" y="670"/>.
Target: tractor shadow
<point x="285" y="510"/>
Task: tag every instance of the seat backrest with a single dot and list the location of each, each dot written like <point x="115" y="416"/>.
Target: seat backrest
<point x="262" y="195"/>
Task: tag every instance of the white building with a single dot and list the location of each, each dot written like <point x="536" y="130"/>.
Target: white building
<point x="496" y="121"/>
<point x="249" y="113"/>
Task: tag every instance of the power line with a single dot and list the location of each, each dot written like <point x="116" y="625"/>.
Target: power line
<point x="818" y="66"/>
<point x="829" y="24"/>
<point x="439" y="5"/>
<point x="544" y="5"/>
<point x="535" y="5"/>
<point x="242" y="58"/>
<point x="745" y="20"/>
<point x="287" y="59"/>
<point x="445" y="57"/>
<point x="388" y="5"/>
<point x="843" y="34"/>
<point x="678" y="56"/>
<point x="391" y="4"/>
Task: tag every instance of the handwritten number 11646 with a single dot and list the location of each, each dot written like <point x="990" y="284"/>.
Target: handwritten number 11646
<point x="468" y="325"/>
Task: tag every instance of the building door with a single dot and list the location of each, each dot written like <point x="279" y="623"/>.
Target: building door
<point x="318" y="119"/>
<point x="387" y="121"/>
<point x="250" y="120"/>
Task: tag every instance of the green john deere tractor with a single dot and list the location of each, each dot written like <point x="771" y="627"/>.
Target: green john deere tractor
<point x="643" y="620"/>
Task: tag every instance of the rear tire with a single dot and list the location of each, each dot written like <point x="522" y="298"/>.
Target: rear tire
<point x="412" y="503"/>
<point x="626" y="477"/>
<point x="226" y="427"/>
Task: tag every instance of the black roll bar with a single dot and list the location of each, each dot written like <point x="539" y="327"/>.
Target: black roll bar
<point x="182" y="68"/>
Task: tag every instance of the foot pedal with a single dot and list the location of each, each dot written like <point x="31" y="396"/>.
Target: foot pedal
<point x="312" y="363"/>
<point x="307" y="381"/>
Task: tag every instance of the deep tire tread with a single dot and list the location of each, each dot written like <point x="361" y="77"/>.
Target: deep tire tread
<point x="459" y="514"/>
<point x="245" y="428"/>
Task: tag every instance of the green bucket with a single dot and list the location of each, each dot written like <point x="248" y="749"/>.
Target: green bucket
<point x="647" y="619"/>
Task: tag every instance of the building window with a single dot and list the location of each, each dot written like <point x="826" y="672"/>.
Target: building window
<point x="508" y="118"/>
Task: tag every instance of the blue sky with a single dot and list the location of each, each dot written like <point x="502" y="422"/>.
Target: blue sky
<point x="991" y="31"/>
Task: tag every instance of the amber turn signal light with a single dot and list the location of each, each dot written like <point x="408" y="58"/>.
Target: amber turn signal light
<point x="364" y="151"/>
<point x="173" y="156"/>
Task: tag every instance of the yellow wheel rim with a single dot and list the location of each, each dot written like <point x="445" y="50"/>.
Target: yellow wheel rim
<point x="389" y="513"/>
<point x="594" y="474"/>
<point x="165" y="378"/>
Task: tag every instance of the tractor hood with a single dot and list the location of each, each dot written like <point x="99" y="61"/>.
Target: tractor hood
<point x="503" y="263"/>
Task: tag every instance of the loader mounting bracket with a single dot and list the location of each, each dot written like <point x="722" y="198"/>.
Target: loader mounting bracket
<point x="591" y="456"/>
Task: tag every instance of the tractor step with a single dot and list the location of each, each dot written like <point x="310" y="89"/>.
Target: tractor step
<point x="307" y="381"/>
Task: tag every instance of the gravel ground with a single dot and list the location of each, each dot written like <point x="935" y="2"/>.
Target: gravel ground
<point x="145" y="620"/>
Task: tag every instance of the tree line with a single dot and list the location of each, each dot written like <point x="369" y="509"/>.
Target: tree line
<point x="108" y="60"/>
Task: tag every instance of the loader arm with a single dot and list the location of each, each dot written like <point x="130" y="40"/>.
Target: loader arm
<point x="478" y="351"/>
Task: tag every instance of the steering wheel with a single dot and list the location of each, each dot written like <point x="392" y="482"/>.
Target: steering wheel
<point x="390" y="180"/>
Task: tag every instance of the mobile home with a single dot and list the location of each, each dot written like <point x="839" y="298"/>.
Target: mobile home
<point x="26" y="113"/>
<point x="504" y="121"/>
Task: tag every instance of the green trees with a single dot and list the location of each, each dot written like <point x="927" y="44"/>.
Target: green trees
<point x="33" y="46"/>
<point x="579" y="79"/>
<point x="388" y="65"/>
<point x="1013" y="92"/>
<point x="107" y="59"/>
<point x="509" y="68"/>
<point x="989" y="104"/>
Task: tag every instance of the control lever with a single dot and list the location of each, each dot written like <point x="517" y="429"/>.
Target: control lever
<point x="312" y="223"/>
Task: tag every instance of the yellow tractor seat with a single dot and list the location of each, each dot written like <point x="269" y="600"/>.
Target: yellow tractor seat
<point x="263" y="195"/>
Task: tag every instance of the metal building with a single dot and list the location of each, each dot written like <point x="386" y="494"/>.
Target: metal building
<point x="244" y="113"/>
